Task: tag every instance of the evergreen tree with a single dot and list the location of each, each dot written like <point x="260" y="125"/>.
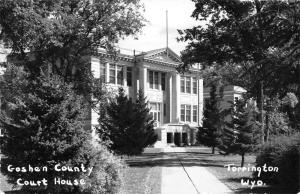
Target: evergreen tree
<point x="209" y="133"/>
<point x="43" y="122"/>
<point x="240" y="137"/>
<point x="128" y="125"/>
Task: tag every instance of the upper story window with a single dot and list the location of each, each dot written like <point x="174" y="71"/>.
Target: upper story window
<point x="119" y="75"/>
<point x="194" y="85"/>
<point x="112" y="73"/>
<point x="156" y="79"/>
<point x="102" y="72"/>
<point x="188" y="84"/>
<point x="115" y="74"/>
<point x="182" y="84"/>
<point x="129" y="76"/>
<point x="163" y="81"/>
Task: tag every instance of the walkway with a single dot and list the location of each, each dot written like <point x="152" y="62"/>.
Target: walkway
<point x="190" y="180"/>
<point x="182" y="177"/>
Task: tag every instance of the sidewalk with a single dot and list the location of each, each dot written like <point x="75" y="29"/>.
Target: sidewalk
<point x="190" y="180"/>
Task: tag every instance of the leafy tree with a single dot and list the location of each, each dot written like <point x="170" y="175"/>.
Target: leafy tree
<point x="258" y="40"/>
<point x="241" y="134"/>
<point x="210" y="132"/>
<point x="128" y="125"/>
<point x="60" y="34"/>
<point x="252" y="44"/>
<point x="43" y="122"/>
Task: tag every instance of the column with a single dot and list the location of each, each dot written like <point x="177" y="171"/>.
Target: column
<point x="170" y="96"/>
<point x="143" y="79"/>
<point x="125" y="76"/>
<point x="172" y="137"/>
<point x="200" y="101"/>
<point x="159" y="81"/>
<point x="176" y="98"/>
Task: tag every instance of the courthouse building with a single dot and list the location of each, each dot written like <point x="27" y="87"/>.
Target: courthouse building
<point x="176" y="100"/>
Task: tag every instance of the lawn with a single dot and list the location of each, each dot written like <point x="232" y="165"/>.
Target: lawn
<point x="142" y="176"/>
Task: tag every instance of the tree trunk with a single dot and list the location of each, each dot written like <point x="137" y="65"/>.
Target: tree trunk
<point x="243" y="159"/>
<point x="262" y="112"/>
<point x="213" y="150"/>
<point x="267" y="121"/>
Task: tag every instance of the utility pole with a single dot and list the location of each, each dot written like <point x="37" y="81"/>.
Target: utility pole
<point x="167" y="33"/>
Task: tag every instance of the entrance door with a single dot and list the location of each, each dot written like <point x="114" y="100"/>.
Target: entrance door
<point x="177" y="139"/>
<point x="184" y="138"/>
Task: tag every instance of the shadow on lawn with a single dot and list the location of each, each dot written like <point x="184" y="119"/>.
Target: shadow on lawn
<point x="257" y="189"/>
<point x="174" y="159"/>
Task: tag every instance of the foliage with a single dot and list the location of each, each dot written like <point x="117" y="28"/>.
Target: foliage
<point x="254" y="41"/>
<point x="106" y="176"/>
<point x="60" y="34"/>
<point x="241" y="134"/>
<point x="209" y="133"/>
<point x="43" y="122"/>
<point x="128" y="125"/>
<point x="284" y="153"/>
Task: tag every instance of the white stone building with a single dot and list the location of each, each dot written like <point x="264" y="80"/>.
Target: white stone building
<point x="176" y="100"/>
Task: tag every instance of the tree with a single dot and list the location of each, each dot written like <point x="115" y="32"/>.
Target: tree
<point x="259" y="38"/>
<point x="60" y="34"/>
<point x="128" y="125"/>
<point x="43" y="122"/>
<point x="210" y="132"/>
<point x="241" y="134"/>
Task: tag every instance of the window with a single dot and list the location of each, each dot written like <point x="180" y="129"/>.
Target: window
<point x="185" y="84"/>
<point x="163" y="81"/>
<point x="182" y="84"/>
<point x="185" y="113"/>
<point x="120" y="75"/>
<point x="102" y="72"/>
<point x="151" y="79"/>
<point x="165" y="109"/>
<point x="156" y="80"/>
<point x="129" y="76"/>
<point x="188" y="84"/>
<point x="112" y="73"/>
<point x="188" y="113"/>
<point x="182" y="113"/>
<point x="115" y="74"/>
<point x="155" y="111"/>
<point x="194" y="85"/>
<point x="195" y="113"/>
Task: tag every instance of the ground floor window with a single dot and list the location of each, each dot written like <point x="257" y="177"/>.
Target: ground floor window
<point x="187" y="113"/>
<point x="155" y="111"/>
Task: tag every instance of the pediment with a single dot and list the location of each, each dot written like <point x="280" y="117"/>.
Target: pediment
<point x="164" y="55"/>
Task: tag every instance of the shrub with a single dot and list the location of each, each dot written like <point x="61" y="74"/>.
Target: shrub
<point x="106" y="175"/>
<point x="284" y="153"/>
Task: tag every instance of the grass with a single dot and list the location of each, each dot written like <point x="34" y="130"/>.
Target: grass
<point x="141" y="176"/>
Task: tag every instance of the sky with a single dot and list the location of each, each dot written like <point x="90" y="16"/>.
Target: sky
<point x="153" y="35"/>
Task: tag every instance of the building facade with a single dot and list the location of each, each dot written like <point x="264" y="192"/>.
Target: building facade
<point x="175" y="100"/>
